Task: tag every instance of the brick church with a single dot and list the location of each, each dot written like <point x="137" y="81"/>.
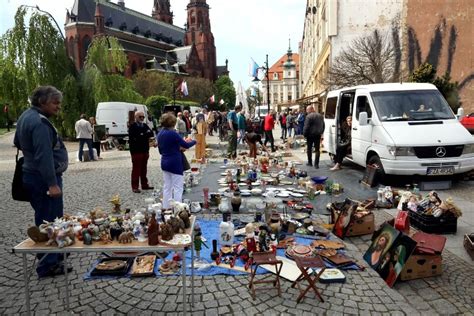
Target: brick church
<point x="150" y="42"/>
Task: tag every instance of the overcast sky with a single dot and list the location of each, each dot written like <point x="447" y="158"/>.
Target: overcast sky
<point x="242" y="29"/>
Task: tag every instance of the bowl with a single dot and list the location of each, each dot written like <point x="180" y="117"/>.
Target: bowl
<point x="319" y="179"/>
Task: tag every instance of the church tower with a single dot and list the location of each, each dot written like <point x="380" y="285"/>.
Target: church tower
<point x="198" y="32"/>
<point x="162" y="12"/>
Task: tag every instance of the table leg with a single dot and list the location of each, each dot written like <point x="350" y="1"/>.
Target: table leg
<point x="27" y="285"/>
<point x="183" y="272"/>
<point x="67" y="282"/>
<point x="192" y="270"/>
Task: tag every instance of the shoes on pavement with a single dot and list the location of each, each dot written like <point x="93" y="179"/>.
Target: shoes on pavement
<point x="55" y="270"/>
<point x="148" y="188"/>
<point x="136" y="190"/>
<point x="336" y="167"/>
<point x="309" y="164"/>
<point x="316" y="166"/>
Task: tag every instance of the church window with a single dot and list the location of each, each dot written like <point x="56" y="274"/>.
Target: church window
<point x="275" y="76"/>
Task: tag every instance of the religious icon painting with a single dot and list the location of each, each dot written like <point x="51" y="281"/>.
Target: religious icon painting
<point x="382" y="241"/>
<point x="394" y="260"/>
<point x="344" y="218"/>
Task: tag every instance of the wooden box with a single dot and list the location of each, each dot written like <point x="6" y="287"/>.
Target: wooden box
<point x="362" y="226"/>
<point x="422" y="266"/>
<point x="469" y="245"/>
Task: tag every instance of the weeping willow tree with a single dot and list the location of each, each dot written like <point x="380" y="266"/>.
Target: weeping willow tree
<point x="33" y="53"/>
<point x="102" y="77"/>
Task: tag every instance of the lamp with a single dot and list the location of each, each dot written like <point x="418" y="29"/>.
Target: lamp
<point x="256" y="79"/>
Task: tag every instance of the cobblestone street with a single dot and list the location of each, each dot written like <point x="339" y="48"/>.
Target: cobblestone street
<point x="91" y="184"/>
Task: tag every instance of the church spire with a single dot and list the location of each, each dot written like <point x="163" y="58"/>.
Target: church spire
<point x="162" y="11"/>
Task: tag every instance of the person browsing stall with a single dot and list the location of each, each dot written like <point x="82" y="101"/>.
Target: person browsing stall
<point x="233" y="122"/>
<point x="312" y="131"/>
<point x="139" y="135"/>
<point x="84" y="134"/>
<point x="170" y="146"/>
<point x="252" y="139"/>
<point x="45" y="160"/>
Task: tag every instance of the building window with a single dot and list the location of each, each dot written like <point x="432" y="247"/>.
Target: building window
<point x="275" y="76"/>
<point x="289" y="73"/>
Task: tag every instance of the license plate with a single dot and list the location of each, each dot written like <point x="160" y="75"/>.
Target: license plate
<point x="440" y="171"/>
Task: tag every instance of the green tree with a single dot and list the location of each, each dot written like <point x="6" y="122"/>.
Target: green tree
<point x="31" y="54"/>
<point x="156" y="103"/>
<point x="224" y="88"/>
<point x="152" y="83"/>
<point x="427" y="73"/>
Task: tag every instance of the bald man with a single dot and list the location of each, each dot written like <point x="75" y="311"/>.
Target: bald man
<point x="312" y="131"/>
<point x="139" y="135"/>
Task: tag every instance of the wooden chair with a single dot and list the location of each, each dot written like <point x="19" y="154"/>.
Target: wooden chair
<point x="265" y="258"/>
<point x="304" y="264"/>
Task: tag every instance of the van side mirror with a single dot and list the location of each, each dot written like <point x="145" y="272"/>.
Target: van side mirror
<point x="460" y="113"/>
<point x="363" y="120"/>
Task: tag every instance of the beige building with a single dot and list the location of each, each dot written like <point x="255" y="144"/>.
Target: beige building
<point x="283" y="79"/>
<point x="436" y="31"/>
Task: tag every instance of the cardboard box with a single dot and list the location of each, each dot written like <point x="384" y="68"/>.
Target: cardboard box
<point x="469" y="245"/>
<point x="422" y="266"/>
<point x="362" y="226"/>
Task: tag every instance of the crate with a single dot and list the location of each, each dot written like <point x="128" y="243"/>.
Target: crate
<point x="422" y="266"/>
<point x="362" y="226"/>
<point x="434" y="225"/>
<point x="469" y="245"/>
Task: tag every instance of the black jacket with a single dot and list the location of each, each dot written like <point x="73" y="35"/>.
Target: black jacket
<point x="313" y="125"/>
<point x="139" y="137"/>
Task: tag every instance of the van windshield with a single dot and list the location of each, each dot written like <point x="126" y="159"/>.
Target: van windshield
<point x="413" y="105"/>
<point x="263" y="111"/>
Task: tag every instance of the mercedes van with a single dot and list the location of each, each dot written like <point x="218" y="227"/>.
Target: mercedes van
<point x="402" y="128"/>
<point x="115" y="116"/>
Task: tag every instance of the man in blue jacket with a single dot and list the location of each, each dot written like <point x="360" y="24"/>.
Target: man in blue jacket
<point x="45" y="160"/>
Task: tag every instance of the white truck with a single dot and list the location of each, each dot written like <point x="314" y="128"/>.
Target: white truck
<point x="402" y="128"/>
<point x="114" y="115"/>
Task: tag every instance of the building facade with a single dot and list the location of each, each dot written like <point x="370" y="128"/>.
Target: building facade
<point x="148" y="41"/>
<point x="437" y="31"/>
<point x="329" y="27"/>
<point x="283" y="81"/>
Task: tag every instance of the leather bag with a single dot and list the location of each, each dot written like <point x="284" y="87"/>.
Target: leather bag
<point x="429" y="243"/>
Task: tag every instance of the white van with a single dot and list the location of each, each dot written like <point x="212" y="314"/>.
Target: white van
<point x="114" y="115"/>
<point x="403" y="128"/>
<point x="261" y="111"/>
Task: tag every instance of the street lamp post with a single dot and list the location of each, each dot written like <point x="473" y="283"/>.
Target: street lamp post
<point x="256" y="79"/>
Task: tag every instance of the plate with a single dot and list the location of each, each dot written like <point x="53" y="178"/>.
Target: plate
<point x="297" y="195"/>
<point x="242" y="184"/>
<point x="223" y="184"/>
<point x="222" y="190"/>
<point x="283" y="195"/>
<point x="300" y="216"/>
<point x="245" y="194"/>
<point x="256" y="191"/>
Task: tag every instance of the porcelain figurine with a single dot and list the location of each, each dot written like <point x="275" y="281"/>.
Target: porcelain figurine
<point x="198" y="244"/>
<point x="86" y="237"/>
<point x="153" y="231"/>
<point x="236" y="201"/>
<point x="166" y="231"/>
<point x="115" y="200"/>
<point x="126" y="237"/>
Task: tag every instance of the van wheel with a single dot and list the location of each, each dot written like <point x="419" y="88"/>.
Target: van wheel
<point x="380" y="173"/>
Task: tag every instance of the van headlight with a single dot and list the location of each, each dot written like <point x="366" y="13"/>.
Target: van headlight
<point x="401" y="151"/>
<point x="468" y="149"/>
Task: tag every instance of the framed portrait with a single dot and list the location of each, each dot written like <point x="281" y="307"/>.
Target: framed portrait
<point x="394" y="260"/>
<point x="344" y="219"/>
<point x="382" y="241"/>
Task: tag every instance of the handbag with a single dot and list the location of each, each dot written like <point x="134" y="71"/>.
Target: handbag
<point x="186" y="165"/>
<point x="402" y="221"/>
<point x="19" y="193"/>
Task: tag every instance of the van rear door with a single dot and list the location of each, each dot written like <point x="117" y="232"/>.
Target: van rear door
<point x="330" y="131"/>
<point x="115" y="120"/>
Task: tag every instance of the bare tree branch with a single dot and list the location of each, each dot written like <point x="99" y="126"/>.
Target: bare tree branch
<point x="369" y="59"/>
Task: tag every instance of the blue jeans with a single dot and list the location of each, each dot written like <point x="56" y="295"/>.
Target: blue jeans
<point x="87" y="141"/>
<point x="46" y="209"/>
<point x="240" y="139"/>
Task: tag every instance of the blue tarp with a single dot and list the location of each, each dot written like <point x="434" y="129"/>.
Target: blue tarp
<point x="210" y="231"/>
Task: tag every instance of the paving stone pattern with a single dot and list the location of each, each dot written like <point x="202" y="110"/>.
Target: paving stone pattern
<point x="91" y="184"/>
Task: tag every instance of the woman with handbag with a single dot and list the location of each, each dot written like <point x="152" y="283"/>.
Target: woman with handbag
<point x="344" y="145"/>
<point x="173" y="160"/>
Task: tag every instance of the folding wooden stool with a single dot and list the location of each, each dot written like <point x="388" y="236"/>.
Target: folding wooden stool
<point x="304" y="264"/>
<point x="263" y="258"/>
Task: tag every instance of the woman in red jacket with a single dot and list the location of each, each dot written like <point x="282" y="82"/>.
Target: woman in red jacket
<point x="268" y="124"/>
